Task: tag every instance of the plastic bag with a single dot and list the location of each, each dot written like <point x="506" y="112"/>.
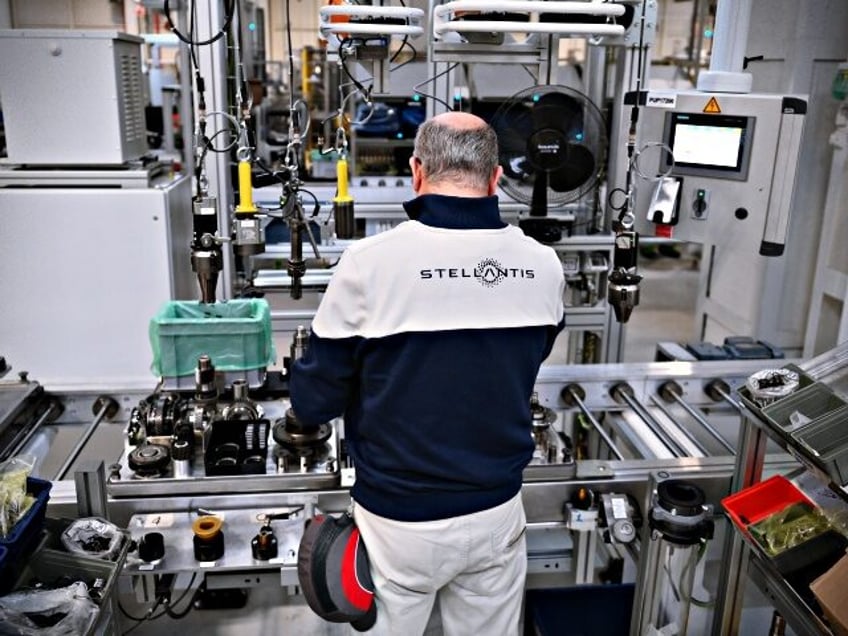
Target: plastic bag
<point x="93" y="537"/>
<point x="66" y="611"/>
<point x="788" y="528"/>
<point x="235" y="334"/>
<point x="14" y="500"/>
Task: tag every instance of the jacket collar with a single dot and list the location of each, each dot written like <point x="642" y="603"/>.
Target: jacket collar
<point x="455" y="213"/>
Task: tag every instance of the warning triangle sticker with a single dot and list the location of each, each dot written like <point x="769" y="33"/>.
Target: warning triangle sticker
<point x="712" y="106"/>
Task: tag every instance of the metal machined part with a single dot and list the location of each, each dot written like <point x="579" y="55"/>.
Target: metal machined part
<point x="242" y="407"/>
<point x="290" y="433"/>
<point x="149" y="460"/>
<point x="300" y="343"/>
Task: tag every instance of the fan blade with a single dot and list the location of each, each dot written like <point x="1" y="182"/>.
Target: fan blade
<point x="576" y="168"/>
<point x="558" y="111"/>
<point x="512" y="142"/>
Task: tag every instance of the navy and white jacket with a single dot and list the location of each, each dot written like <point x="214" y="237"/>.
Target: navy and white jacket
<point x="429" y="340"/>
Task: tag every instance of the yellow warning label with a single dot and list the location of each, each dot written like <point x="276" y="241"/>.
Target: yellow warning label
<point x="712" y="106"/>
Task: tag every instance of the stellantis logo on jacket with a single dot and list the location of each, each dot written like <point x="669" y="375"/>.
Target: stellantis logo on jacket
<point x="488" y="272"/>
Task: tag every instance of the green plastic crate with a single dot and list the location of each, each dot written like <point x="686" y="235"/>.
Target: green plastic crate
<point x="235" y="334"/>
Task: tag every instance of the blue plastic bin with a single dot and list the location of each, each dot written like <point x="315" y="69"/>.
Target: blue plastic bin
<point x="24" y="536"/>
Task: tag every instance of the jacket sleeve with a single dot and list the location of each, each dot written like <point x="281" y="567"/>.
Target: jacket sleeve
<point x="324" y="380"/>
<point x="553" y="332"/>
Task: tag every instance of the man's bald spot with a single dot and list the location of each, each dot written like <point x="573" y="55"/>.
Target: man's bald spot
<point x="459" y="121"/>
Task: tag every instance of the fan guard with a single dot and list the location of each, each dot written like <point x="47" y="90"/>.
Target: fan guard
<point x="552" y="144"/>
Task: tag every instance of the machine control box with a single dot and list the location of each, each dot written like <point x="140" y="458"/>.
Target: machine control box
<point x="99" y="119"/>
<point x="734" y="158"/>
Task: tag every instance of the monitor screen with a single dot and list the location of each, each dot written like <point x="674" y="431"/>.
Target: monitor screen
<point x="709" y="145"/>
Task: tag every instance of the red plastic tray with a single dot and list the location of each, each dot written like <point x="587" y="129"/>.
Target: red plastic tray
<point x="761" y="500"/>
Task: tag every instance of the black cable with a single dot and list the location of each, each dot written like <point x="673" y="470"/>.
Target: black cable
<point x="291" y="54"/>
<point x="317" y="207"/>
<point x="228" y="18"/>
<point x="400" y="48"/>
<point x="245" y="87"/>
<point x="150" y="616"/>
<point x="180" y="615"/>
<point x="366" y="92"/>
<point x="416" y="91"/>
<point x="411" y="59"/>
<point x="402" y="44"/>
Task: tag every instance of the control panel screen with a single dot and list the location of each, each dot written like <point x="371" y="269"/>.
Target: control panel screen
<point x="709" y="145"/>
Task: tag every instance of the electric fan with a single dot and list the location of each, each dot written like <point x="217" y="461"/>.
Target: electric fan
<point x="552" y="145"/>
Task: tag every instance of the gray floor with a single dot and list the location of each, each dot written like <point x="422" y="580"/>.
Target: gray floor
<point x="666" y="308"/>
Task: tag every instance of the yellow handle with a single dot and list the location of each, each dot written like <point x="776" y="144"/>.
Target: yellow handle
<point x="245" y="205"/>
<point x="342" y="196"/>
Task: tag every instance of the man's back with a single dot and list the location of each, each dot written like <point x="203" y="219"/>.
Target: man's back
<point x="451" y="316"/>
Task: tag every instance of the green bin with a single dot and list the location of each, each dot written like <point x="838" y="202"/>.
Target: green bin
<point x="235" y="334"/>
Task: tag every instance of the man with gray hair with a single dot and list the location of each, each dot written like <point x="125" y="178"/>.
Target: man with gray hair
<point x="429" y="340"/>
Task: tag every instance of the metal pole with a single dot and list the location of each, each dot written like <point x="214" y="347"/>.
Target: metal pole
<point x="55" y="408"/>
<point x="597" y="425"/>
<point x="734" y="562"/>
<point x="727" y="398"/>
<point x="682" y="429"/>
<point x="90" y="481"/>
<point x="652" y="423"/>
<point x="104" y="407"/>
<point x="718" y="390"/>
<point x="731" y="35"/>
<point x="700" y="419"/>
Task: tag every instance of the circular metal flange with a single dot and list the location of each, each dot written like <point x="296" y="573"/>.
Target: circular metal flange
<point x="290" y="433"/>
<point x="149" y="460"/>
<point x="619" y="389"/>
<point x="715" y="388"/>
<point x="296" y="439"/>
<point x="668" y="390"/>
<point x="105" y="402"/>
<point x="570" y="391"/>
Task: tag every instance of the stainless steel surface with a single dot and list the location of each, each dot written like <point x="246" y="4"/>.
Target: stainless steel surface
<point x="239" y="527"/>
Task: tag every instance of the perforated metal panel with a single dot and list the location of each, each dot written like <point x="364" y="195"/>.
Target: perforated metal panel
<point x="72" y="97"/>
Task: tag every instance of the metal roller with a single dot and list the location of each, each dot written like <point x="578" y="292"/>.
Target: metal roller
<point x="623" y="392"/>
<point x="573" y="395"/>
<point x="671" y="391"/>
<point x="719" y="390"/>
<point x="104" y="407"/>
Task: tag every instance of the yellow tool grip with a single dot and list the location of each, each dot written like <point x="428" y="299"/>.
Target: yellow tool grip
<point x="245" y="205"/>
<point x="342" y="196"/>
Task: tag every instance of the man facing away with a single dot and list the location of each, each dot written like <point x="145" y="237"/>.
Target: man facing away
<point x="429" y="340"/>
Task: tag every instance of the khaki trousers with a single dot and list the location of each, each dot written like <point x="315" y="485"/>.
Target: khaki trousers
<point x="474" y="566"/>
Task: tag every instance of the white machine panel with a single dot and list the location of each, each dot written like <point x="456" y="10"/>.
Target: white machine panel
<point x="733" y="169"/>
<point x="72" y="98"/>
<point x="84" y="270"/>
